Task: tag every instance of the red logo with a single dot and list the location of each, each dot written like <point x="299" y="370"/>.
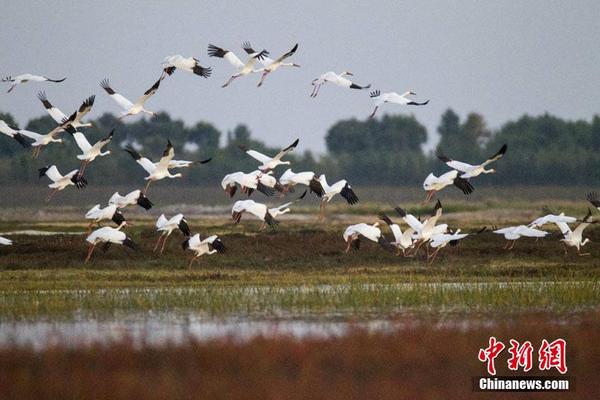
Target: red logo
<point x="553" y="355"/>
<point x="550" y="355"/>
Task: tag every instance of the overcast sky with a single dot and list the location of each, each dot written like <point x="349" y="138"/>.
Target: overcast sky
<point x="501" y="58"/>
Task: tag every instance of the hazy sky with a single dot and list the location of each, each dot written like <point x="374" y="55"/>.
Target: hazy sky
<point x="500" y="58"/>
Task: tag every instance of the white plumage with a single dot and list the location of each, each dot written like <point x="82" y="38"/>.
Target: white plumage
<point x="131" y="198"/>
<point x="189" y="64"/>
<point x="335" y="79"/>
<point x="108" y="236"/>
<point x="394" y="98"/>
<point x="24" y="78"/>
<point x="270" y="163"/>
<point x="209" y="245"/>
<point x="129" y="107"/>
<point x="434" y="184"/>
<point x="167" y="225"/>
<point x="471" y="171"/>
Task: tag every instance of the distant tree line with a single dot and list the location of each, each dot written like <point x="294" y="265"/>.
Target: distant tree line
<point x="541" y="150"/>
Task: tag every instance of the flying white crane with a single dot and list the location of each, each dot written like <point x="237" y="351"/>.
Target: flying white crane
<point x="156" y="171"/>
<point x="471" y="171"/>
<point x="354" y="233"/>
<point x="108" y="236"/>
<point x="441" y="240"/>
<point x="13" y="133"/>
<point x="395" y="98"/>
<point x="89" y="152"/>
<point x="269" y="163"/>
<point x="285" y="208"/>
<point x="273" y="65"/>
<point x="403" y="241"/>
<point x="424" y="231"/>
<point x="574" y="238"/>
<point x="24" y="78"/>
<point x="167" y="226"/>
<point x="131" y="198"/>
<point x="6" y="242"/>
<point x="129" y="107"/>
<point x="98" y="214"/>
<point x="39" y="141"/>
<point x="209" y="245"/>
<point x="434" y="184"/>
<point x="242" y="69"/>
<point x="60" y="182"/>
<point x="257" y="180"/>
<point x="75" y="119"/>
<point x="551" y="218"/>
<point x="259" y="210"/>
<point x="513" y="233"/>
<point x="289" y="179"/>
<point x="189" y="64"/>
<point x="342" y="187"/>
<point x="336" y="79"/>
<point x="176" y="164"/>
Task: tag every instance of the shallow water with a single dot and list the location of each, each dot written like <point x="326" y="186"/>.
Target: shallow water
<point x="157" y="329"/>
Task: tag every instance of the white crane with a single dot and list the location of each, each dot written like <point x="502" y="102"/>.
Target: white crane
<point x="176" y="164"/>
<point x="336" y="79"/>
<point x="39" y="140"/>
<point x="167" y="226"/>
<point x="75" y="119"/>
<point x="5" y="242"/>
<point x="131" y="198"/>
<point x="13" y="133"/>
<point x="403" y="241"/>
<point x="551" y="218"/>
<point x="424" y="231"/>
<point x="574" y="238"/>
<point x="209" y="245"/>
<point x="242" y="69"/>
<point x="434" y="184"/>
<point x="289" y="179"/>
<point x="394" y="98"/>
<point x="89" y="152"/>
<point x="24" y="78"/>
<point x="285" y="208"/>
<point x="270" y="163"/>
<point x="471" y="171"/>
<point x="60" y="182"/>
<point x="257" y="180"/>
<point x="341" y="187"/>
<point x="513" y="233"/>
<point x="156" y="171"/>
<point x="189" y="64"/>
<point x="129" y="107"/>
<point x="108" y="236"/>
<point x="354" y="233"/>
<point x="273" y="65"/>
<point x="259" y="210"/>
<point x="98" y="214"/>
<point x="441" y="240"/>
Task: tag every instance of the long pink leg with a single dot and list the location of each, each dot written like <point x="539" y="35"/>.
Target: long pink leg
<point x="158" y="242"/>
<point x="230" y="80"/>
<point x="162" y="249"/>
<point x="90" y="251"/>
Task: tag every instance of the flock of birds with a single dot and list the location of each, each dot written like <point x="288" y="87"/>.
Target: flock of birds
<point x="408" y="242"/>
